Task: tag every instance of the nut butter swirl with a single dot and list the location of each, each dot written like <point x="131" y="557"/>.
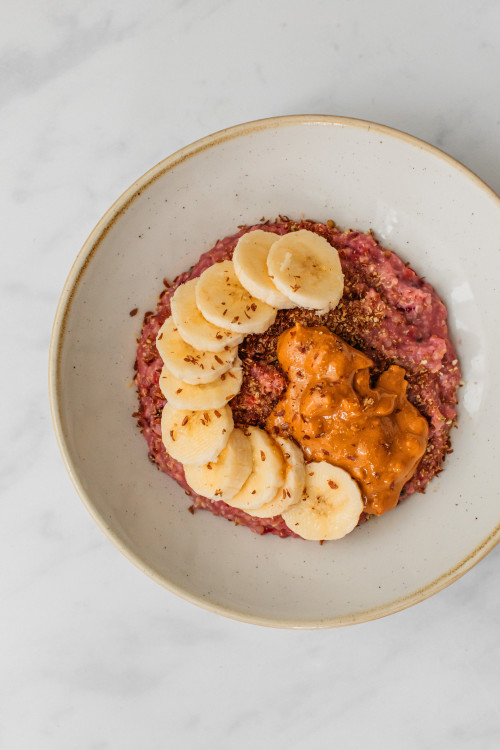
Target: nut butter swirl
<point x="330" y="409"/>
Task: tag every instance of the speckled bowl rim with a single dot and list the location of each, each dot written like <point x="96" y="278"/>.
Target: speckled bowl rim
<point x="76" y="274"/>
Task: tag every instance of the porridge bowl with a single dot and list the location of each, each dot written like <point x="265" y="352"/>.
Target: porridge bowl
<point x="420" y="203"/>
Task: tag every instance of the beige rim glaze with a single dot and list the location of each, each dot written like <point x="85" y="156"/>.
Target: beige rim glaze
<point x="77" y="271"/>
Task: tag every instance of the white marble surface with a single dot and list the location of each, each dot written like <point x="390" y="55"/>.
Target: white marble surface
<point x="94" y="655"/>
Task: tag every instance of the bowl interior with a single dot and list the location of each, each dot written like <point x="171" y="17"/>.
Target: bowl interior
<point x="421" y="204"/>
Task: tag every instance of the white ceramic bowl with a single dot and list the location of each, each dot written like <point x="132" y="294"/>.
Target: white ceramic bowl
<point x="421" y="203"/>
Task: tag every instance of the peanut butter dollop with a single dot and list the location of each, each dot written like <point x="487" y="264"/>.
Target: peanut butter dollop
<point x="329" y="408"/>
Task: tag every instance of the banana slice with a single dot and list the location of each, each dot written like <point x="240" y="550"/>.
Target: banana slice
<point x="212" y="395"/>
<point x="250" y="266"/>
<point x="193" y="327"/>
<point x="306" y="269"/>
<point x="188" y="364"/>
<point x="224" y="302"/>
<point x="331" y="506"/>
<point x="268" y="472"/>
<point x="223" y="478"/>
<point x="195" y="437"/>
<point x="293" y="488"/>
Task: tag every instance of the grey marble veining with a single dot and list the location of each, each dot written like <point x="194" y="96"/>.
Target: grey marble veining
<point x="93" y="654"/>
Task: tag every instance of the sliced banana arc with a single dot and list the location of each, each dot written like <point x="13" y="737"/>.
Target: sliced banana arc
<point x="250" y="266"/>
<point x="193" y="327"/>
<point x="195" y="437"/>
<point x="224" y="302"/>
<point x="293" y="487"/>
<point x="248" y="469"/>
<point x="191" y="365"/>
<point x="223" y="478"/>
<point x="331" y="506"/>
<point x="267" y="475"/>
<point x="212" y="395"/>
<point x="306" y="269"/>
